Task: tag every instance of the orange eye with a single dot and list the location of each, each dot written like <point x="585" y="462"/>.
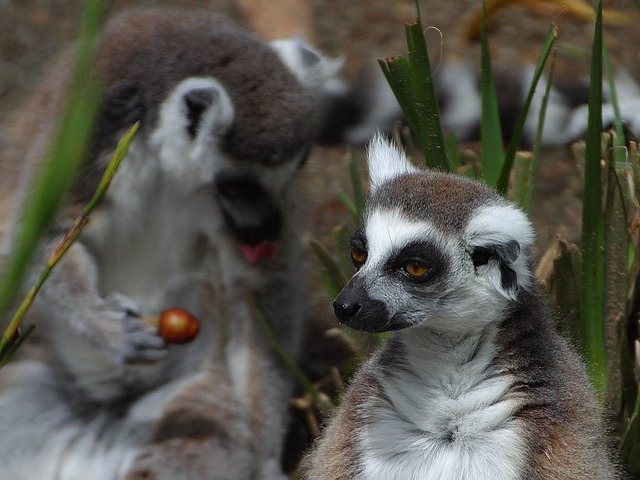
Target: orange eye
<point x="358" y="256"/>
<point x="415" y="269"/>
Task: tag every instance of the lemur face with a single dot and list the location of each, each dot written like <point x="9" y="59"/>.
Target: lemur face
<point x="433" y="247"/>
<point x="221" y="111"/>
<point x="194" y="125"/>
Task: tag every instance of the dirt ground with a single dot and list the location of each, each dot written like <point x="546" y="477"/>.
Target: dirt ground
<point x="32" y="31"/>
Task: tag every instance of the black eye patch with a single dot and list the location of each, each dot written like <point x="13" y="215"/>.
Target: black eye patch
<point x="359" y="240"/>
<point x="423" y="253"/>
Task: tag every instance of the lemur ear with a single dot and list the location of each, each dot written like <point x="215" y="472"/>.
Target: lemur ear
<point x="197" y="101"/>
<point x="386" y="161"/>
<point x="500" y="257"/>
<point x="498" y="238"/>
<point x="206" y="104"/>
<point x="311" y="68"/>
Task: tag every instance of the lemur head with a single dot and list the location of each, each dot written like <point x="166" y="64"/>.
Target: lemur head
<point x="220" y="109"/>
<point x="434" y="249"/>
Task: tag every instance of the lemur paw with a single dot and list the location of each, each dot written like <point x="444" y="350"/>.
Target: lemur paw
<point x="129" y="339"/>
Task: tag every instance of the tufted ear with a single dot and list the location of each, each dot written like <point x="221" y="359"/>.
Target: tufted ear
<point x="498" y="239"/>
<point x="312" y="69"/>
<point x="386" y="161"/>
<point x="197" y="101"/>
<point x="205" y="104"/>
<point x="193" y="118"/>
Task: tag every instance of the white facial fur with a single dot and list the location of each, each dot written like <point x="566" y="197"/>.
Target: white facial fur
<point x="461" y="301"/>
<point x="172" y="140"/>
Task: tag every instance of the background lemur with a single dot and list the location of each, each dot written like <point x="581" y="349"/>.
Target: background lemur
<point x="201" y="215"/>
<point x="475" y="383"/>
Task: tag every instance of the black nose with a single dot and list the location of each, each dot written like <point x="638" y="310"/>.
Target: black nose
<point x="345" y="310"/>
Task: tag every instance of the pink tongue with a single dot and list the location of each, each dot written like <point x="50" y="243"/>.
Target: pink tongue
<point x="253" y="253"/>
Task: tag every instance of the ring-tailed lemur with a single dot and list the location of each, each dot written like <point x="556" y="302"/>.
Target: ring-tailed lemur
<point x="372" y="105"/>
<point x="202" y="215"/>
<point x="475" y="383"/>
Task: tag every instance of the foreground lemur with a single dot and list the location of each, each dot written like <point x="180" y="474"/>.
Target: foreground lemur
<point x="475" y="384"/>
<point x="201" y="215"/>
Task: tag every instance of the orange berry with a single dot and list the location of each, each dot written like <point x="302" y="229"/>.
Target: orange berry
<point x="177" y="325"/>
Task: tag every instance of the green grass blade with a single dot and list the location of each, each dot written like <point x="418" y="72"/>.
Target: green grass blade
<point x="526" y="166"/>
<point x="524" y="171"/>
<point x="491" y="141"/>
<point x="397" y="71"/>
<point x="348" y="202"/>
<point x="7" y="345"/>
<point x="593" y="266"/>
<point x="357" y="187"/>
<point x="333" y="277"/>
<point x="411" y="81"/>
<point x="565" y="290"/>
<point x="515" y="140"/>
<point x="619" y="151"/>
<point x="451" y="144"/>
<point x="59" y="168"/>
<point x="430" y="132"/>
<point x="617" y="242"/>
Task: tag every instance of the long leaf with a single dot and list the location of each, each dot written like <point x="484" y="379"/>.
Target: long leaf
<point x="332" y="274"/>
<point x="593" y="266"/>
<point x="514" y="142"/>
<point x="616" y="281"/>
<point x="430" y="132"/>
<point x="397" y="71"/>
<point x="357" y="187"/>
<point x="525" y="166"/>
<point x="7" y="344"/>
<point x="59" y="168"/>
<point x="524" y="171"/>
<point x="411" y="81"/>
<point x="491" y="140"/>
<point x="619" y="151"/>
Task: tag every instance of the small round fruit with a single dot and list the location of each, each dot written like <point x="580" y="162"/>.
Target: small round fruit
<point x="177" y="325"/>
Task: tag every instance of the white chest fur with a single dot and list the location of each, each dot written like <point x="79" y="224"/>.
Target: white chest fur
<point x="446" y="416"/>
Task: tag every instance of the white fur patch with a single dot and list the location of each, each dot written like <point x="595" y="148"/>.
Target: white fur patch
<point x="184" y="158"/>
<point x="311" y="68"/>
<point x="496" y="225"/>
<point x="389" y="231"/>
<point x="386" y="161"/>
<point x="447" y="416"/>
